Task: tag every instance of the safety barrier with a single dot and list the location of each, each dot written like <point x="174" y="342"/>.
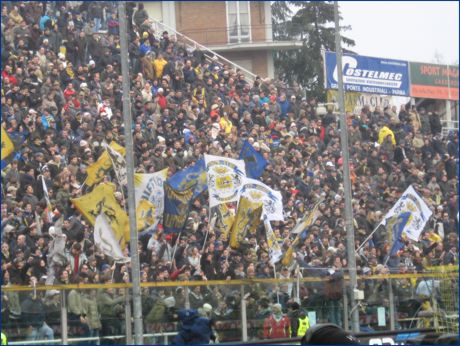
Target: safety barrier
<point x="391" y="302"/>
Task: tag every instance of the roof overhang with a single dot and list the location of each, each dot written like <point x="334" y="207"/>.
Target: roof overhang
<point x="254" y="46"/>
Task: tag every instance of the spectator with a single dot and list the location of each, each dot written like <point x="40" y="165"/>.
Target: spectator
<point x="58" y="106"/>
<point x="277" y="325"/>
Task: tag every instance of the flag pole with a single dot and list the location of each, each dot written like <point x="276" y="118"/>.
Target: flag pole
<point x="346" y="174"/>
<point x="127" y="117"/>
<point x="175" y="248"/>
<point x="369" y="237"/>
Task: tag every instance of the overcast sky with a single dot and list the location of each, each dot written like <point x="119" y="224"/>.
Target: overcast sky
<point x="414" y="31"/>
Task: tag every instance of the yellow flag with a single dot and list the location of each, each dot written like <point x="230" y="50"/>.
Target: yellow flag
<point x="7" y="144"/>
<point x="145" y="214"/>
<point x="102" y="200"/>
<point x="225" y="219"/>
<point x="351" y="99"/>
<point x="247" y="220"/>
<point x="98" y="170"/>
<point x="308" y="220"/>
<point x="286" y="261"/>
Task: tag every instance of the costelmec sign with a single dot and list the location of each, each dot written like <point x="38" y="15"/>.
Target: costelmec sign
<point x="368" y="75"/>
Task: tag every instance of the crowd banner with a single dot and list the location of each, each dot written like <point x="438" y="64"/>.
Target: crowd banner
<point x="354" y="102"/>
<point x="177" y="208"/>
<point x="102" y="200"/>
<point x="254" y="161"/>
<point x="99" y="169"/>
<point x="149" y="187"/>
<point x="225" y="217"/>
<point x="119" y="165"/>
<point x="257" y="191"/>
<point x="246" y="221"/>
<point x="193" y="176"/>
<point x="308" y="219"/>
<point x="368" y="75"/>
<point x="7" y="144"/>
<point x="274" y="249"/>
<point x="433" y="81"/>
<point x="411" y="211"/>
<point x="146" y="215"/>
<point x="105" y="240"/>
<point x="225" y="179"/>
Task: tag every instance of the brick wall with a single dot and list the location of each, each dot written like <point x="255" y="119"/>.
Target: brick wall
<point x="206" y="22"/>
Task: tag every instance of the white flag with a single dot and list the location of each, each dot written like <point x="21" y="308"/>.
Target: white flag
<point x="225" y="179"/>
<point x="105" y="240"/>
<point x="410" y="202"/>
<point x="47" y="199"/>
<point x="150" y="188"/>
<point x="274" y="249"/>
<point x="119" y="165"/>
<point x="257" y="191"/>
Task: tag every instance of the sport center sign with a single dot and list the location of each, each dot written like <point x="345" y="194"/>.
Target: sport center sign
<point x="368" y="75"/>
<point x="433" y="81"/>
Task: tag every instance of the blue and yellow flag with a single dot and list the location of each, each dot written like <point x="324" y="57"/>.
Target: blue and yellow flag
<point x="254" y="161"/>
<point x="246" y="221"/>
<point x="7" y="145"/>
<point x="396" y="227"/>
<point x="177" y="207"/>
<point x="190" y="177"/>
<point x="102" y="201"/>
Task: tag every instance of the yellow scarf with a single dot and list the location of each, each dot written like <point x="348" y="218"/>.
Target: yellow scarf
<point x="70" y="72"/>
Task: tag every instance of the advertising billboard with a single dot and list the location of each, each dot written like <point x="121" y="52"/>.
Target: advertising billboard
<point x="433" y="81"/>
<point x="369" y="75"/>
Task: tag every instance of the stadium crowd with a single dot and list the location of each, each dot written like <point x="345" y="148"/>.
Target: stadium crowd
<point x="62" y="98"/>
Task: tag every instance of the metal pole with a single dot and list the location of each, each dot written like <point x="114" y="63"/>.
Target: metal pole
<point x="64" y="324"/>
<point x="128" y="317"/>
<point x="187" y="297"/>
<point x="135" y="270"/>
<point x="298" y="283"/>
<point x="346" y="175"/>
<point x="244" y="322"/>
<point x="346" y="324"/>
<point x="392" y="305"/>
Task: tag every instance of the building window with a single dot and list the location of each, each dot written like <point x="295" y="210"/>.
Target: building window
<point x="238" y="21"/>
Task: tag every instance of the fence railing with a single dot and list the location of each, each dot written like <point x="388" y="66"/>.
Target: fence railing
<point x="391" y="302"/>
<point x="192" y="44"/>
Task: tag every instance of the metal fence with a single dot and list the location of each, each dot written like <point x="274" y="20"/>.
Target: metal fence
<point x="390" y="302"/>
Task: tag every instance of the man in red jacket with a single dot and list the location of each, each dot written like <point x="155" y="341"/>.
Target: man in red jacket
<point x="277" y="325"/>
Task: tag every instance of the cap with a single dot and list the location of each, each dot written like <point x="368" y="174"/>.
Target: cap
<point x="329" y="164"/>
<point x="105" y="267"/>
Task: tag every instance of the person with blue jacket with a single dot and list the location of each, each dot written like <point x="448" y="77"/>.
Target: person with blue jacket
<point x="194" y="329"/>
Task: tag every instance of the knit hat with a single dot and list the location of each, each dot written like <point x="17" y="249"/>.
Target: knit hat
<point x="207" y="308"/>
<point x="170" y="302"/>
<point x="328" y="334"/>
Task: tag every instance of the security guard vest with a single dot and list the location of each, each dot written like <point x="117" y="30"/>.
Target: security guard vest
<point x="4" y="339"/>
<point x="304" y="324"/>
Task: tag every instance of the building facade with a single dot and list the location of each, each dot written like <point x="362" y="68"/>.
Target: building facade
<point x="240" y="31"/>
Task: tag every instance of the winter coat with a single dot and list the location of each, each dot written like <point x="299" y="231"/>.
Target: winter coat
<point x="109" y="306"/>
<point x="92" y="311"/>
